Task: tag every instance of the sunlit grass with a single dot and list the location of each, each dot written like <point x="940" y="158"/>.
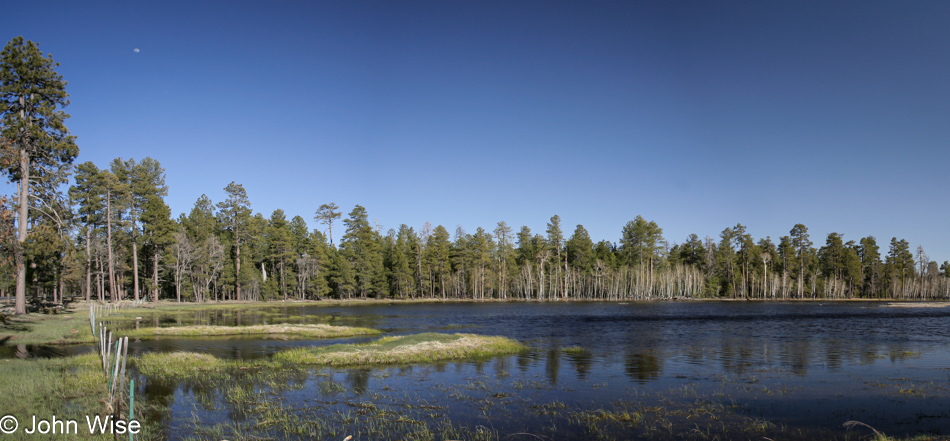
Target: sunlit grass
<point x="179" y="364"/>
<point x="68" y="328"/>
<point x="69" y="388"/>
<point x="417" y="348"/>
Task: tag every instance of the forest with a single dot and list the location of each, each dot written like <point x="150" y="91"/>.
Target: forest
<point x="105" y="233"/>
<point x="110" y="237"/>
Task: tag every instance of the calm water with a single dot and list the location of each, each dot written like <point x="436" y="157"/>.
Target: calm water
<point x="676" y="370"/>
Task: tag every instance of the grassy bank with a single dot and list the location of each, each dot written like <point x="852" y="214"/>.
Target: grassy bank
<point x="289" y="330"/>
<point x="55" y="329"/>
<point x="418" y="348"/>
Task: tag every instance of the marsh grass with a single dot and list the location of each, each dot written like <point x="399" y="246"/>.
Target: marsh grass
<point x="181" y="365"/>
<point x="418" y="348"/>
<point x="283" y="329"/>
<point x="69" y="387"/>
<point x="270" y="417"/>
<point x="575" y="350"/>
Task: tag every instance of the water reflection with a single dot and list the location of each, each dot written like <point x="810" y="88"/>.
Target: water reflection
<point x="358" y="380"/>
<point x="488" y="391"/>
<point x="815" y="355"/>
<point x="24" y="351"/>
<point x="642" y="367"/>
<point x="552" y="365"/>
<point x="581" y="362"/>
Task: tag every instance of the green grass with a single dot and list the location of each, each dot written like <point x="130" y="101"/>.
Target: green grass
<point x="181" y="365"/>
<point x="69" y="388"/>
<point x="575" y="350"/>
<point x="54" y="329"/>
<point x="312" y="331"/>
<point x="418" y="348"/>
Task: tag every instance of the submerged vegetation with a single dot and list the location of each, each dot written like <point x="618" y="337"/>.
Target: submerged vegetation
<point x="334" y="404"/>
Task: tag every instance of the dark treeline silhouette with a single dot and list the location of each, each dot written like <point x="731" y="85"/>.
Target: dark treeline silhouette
<point x="115" y="240"/>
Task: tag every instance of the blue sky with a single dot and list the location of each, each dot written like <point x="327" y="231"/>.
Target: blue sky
<point x="697" y="115"/>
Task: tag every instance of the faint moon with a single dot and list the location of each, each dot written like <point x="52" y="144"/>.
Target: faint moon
<point x="136" y="50"/>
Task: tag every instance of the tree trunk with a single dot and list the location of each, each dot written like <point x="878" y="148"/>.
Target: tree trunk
<point x="88" y="261"/>
<point x="135" y="264"/>
<point x="237" y="268"/>
<point x="113" y="297"/>
<point x="155" y="277"/>
<point x="566" y="277"/>
<point x="801" y="277"/>
<point x="22" y="219"/>
<point x="100" y="290"/>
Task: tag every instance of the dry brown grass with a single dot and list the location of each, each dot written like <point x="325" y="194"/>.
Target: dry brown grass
<point x="313" y="331"/>
<point x="918" y="304"/>
<point x="419" y="348"/>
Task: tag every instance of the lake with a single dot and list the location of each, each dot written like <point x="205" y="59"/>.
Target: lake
<point x="631" y="370"/>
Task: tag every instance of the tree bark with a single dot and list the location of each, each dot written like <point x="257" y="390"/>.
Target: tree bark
<point x="88" y="261"/>
<point x="155" y="277"/>
<point x="100" y="290"/>
<point x="135" y="264"/>
<point x="113" y="297"/>
<point x="23" y="212"/>
<point x="283" y="287"/>
<point x="237" y="267"/>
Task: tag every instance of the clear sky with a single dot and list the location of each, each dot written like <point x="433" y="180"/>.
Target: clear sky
<point x="697" y="115"/>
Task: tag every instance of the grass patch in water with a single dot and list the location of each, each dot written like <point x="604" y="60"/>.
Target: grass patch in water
<point x="575" y="350"/>
<point x="418" y="348"/>
<point x="284" y="329"/>
<point x="179" y="364"/>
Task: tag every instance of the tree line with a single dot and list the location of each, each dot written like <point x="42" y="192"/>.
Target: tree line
<point x="111" y="237"/>
<point x="121" y="243"/>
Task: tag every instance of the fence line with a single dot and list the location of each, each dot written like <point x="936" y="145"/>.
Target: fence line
<point x="114" y="357"/>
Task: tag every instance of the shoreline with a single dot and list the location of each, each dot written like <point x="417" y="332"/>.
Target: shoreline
<point x="361" y="302"/>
